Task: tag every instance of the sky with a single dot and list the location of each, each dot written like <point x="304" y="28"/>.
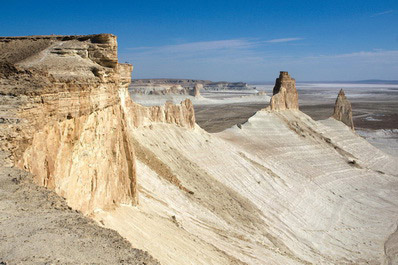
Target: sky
<point x="251" y="41"/>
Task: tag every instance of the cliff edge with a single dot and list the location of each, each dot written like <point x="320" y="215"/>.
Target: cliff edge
<point x="66" y="117"/>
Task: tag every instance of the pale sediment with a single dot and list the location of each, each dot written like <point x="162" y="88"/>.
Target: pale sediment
<point x="278" y="189"/>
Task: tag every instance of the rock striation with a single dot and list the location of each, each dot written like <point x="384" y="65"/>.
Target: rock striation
<point x="285" y="94"/>
<point x="66" y="125"/>
<point x="343" y="110"/>
<point x="66" y="117"/>
<point x="182" y="114"/>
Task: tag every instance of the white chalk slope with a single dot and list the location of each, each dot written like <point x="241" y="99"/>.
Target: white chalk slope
<point x="282" y="189"/>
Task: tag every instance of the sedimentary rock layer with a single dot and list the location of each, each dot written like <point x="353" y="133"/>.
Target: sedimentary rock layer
<point x="65" y="117"/>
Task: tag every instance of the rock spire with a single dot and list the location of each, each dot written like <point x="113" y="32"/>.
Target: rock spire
<point x="343" y="110"/>
<point x="285" y="95"/>
<point x="196" y="90"/>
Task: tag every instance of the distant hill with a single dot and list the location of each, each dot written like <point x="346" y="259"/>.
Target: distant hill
<point x="145" y="85"/>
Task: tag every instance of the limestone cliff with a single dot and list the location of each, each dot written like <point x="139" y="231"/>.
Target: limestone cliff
<point x="343" y="110"/>
<point x="66" y="116"/>
<point x="285" y="94"/>
<point x="182" y="115"/>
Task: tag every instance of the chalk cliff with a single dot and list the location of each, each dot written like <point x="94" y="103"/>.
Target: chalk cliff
<point x="66" y="117"/>
<point x="343" y="110"/>
<point x="285" y="94"/>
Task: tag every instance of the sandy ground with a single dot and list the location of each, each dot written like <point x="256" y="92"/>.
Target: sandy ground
<point x="37" y="227"/>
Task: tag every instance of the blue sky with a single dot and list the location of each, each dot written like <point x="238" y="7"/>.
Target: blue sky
<point x="229" y="40"/>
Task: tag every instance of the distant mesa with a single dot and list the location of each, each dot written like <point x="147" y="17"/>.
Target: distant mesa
<point x="343" y="110"/>
<point x="186" y="86"/>
<point x="285" y="94"/>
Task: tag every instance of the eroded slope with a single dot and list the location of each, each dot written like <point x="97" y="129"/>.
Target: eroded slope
<point x="282" y="189"/>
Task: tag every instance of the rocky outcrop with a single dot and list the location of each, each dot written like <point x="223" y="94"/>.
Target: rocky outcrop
<point x="64" y="122"/>
<point x="182" y="114"/>
<point x="66" y="117"/>
<point x="196" y="90"/>
<point x="285" y="94"/>
<point x="343" y="110"/>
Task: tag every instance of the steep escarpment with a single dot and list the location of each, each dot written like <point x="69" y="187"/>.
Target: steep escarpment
<point x="64" y="119"/>
<point x="67" y="117"/>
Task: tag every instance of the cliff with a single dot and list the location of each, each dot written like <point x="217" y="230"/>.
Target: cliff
<point x="182" y="114"/>
<point x="343" y="110"/>
<point x="181" y="86"/>
<point x="285" y="94"/>
<point x="66" y="117"/>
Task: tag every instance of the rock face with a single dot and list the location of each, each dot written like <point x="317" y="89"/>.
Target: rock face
<point x="343" y="110"/>
<point x="285" y="94"/>
<point x="66" y="117"/>
<point x="67" y="126"/>
<point x="182" y="114"/>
